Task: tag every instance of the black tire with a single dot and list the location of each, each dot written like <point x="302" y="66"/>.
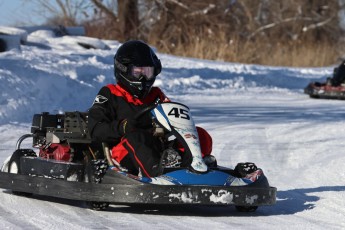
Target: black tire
<point x="97" y="206"/>
<point x="246" y="208"/>
<point x="94" y="173"/>
<point x="3" y="45"/>
<point x="314" y="96"/>
<point x="14" y="166"/>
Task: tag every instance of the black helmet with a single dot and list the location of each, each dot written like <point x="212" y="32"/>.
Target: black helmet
<point x="136" y="67"/>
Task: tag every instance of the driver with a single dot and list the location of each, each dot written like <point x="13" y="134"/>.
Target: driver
<point x="111" y="117"/>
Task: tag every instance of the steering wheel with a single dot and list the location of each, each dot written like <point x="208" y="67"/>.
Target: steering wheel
<point x="145" y="110"/>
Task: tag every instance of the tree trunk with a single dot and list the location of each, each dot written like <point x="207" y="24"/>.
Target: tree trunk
<point x="128" y="18"/>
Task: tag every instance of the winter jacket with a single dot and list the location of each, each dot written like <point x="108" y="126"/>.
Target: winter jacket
<point x="111" y="106"/>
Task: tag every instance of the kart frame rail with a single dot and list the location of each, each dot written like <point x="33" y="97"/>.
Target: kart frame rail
<point x="139" y="193"/>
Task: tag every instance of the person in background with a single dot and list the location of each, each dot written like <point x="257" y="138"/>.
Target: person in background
<point x="338" y="75"/>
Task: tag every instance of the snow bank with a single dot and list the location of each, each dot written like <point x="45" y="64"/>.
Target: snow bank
<point x="54" y="73"/>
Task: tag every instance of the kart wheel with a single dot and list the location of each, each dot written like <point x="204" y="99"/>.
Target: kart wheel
<point x="14" y="165"/>
<point x="144" y="110"/>
<point x="94" y="173"/>
<point x="246" y="208"/>
<point x="97" y="206"/>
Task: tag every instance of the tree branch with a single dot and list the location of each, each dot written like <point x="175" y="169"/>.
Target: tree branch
<point x="104" y="9"/>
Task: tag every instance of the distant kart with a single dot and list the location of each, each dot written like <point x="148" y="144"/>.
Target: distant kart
<point x="325" y="91"/>
<point x="333" y="88"/>
<point x="94" y="177"/>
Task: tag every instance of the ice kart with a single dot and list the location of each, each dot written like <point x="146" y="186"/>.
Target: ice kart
<point x="68" y="165"/>
<point x="325" y="90"/>
<point x="332" y="88"/>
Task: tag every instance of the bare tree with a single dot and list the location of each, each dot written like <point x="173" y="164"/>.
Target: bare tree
<point x="128" y="18"/>
<point x="260" y="31"/>
<point x="62" y="12"/>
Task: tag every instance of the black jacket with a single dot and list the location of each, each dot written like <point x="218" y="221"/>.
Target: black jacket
<point x="111" y="106"/>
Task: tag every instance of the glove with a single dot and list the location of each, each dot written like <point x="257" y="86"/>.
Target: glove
<point x="127" y="126"/>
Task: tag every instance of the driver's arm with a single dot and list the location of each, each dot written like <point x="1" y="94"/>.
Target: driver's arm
<point x="102" y="123"/>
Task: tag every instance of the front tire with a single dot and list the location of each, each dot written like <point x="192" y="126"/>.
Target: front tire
<point x="97" y="206"/>
<point x="246" y="208"/>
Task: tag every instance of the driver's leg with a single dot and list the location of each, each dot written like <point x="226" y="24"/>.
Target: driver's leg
<point x="143" y="151"/>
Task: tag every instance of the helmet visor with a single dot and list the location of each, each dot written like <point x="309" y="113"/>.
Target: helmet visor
<point x="140" y="72"/>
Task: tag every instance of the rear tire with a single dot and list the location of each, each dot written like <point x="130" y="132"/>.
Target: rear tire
<point x="14" y="166"/>
<point x="246" y="208"/>
<point x="94" y="173"/>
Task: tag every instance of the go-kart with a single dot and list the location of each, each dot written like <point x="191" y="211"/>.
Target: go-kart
<point x="70" y="166"/>
<point x="332" y="88"/>
<point x="325" y="90"/>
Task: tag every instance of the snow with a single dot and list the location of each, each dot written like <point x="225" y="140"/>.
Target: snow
<point x="254" y="113"/>
<point x="14" y="31"/>
<point x="223" y="197"/>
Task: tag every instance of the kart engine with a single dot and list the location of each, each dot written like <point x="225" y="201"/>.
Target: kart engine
<point x="56" y="134"/>
<point x="61" y="152"/>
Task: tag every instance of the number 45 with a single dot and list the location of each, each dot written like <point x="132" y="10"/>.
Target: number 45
<point x="179" y="113"/>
